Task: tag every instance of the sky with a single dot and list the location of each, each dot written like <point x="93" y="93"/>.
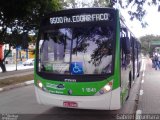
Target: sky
<point x="152" y="18"/>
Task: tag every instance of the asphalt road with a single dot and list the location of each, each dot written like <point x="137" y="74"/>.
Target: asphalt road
<point x="22" y="102"/>
<point x="149" y="100"/>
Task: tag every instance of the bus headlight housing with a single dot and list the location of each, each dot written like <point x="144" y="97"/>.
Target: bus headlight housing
<point x="40" y="85"/>
<point x="106" y="88"/>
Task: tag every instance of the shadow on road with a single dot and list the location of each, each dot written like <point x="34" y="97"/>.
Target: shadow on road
<point x="76" y="114"/>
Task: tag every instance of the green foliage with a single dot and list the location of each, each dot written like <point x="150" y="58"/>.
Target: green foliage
<point x="101" y="3"/>
<point x="138" y="12"/>
<point x="21" y="16"/>
<point x="69" y="4"/>
<point x="18" y="16"/>
<point x="81" y="4"/>
<point x="146" y="41"/>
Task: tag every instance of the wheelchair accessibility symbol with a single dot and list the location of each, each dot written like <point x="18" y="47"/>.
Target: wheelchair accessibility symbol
<point x="76" y="68"/>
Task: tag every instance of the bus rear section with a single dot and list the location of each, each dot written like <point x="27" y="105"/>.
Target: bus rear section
<point x="76" y="60"/>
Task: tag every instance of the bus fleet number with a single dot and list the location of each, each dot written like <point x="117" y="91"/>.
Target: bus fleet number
<point x="89" y="90"/>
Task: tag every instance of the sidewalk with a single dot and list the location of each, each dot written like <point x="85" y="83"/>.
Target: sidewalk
<point x="9" y="74"/>
<point x="11" y="71"/>
<point x="149" y="98"/>
<point x="12" y="67"/>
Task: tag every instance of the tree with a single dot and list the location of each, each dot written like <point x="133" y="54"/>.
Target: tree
<point x="69" y="4"/>
<point x="101" y="3"/>
<point x="21" y="16"/>
<point x="146" y="40"/>
<point x="82" y="4"/>
<point x="139" y="12"/>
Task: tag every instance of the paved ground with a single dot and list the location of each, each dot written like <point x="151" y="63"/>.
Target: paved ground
<point x="16" y="73"/>
<point x="11" y="71"/>
<point x="12" y="67"/>
<point x="149" y="99"/>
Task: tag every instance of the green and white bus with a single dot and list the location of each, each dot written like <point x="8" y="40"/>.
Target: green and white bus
<point x="85" y="58"/>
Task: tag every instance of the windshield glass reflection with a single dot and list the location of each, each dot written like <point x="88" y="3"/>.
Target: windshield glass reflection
<point x="76" y="51"/>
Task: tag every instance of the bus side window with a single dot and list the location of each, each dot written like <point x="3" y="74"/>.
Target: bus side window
<point x="125" y="51"/>
<point x="126" y="45"/>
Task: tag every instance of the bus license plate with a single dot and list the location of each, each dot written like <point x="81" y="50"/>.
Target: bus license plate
<point x="70" y="104"/>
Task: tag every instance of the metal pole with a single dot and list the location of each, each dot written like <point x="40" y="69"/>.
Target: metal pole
<point x="27" y="54"/>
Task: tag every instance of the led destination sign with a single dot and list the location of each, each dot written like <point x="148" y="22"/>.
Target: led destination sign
<point x="81" y="18"/>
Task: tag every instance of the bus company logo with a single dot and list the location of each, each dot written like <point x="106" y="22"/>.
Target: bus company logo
<point x="55" y="86"/>
<point x="70" y="80"/>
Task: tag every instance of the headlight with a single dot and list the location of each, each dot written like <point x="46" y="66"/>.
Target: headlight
<point x="105" y="89"/>
<point x="39" y="83"/>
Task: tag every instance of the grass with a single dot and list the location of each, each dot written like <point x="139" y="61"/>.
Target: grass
<point x="15" y="80"/>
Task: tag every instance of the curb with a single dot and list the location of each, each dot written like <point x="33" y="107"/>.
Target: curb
<point x="138" y="110"/>
<point x="17" y="85"/>
<point x="9" y="76"/>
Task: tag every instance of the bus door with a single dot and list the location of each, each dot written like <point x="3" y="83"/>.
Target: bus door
<point x="125" y="66"/>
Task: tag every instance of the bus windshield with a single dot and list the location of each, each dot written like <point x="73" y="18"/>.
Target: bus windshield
<point x="77" y="50"/>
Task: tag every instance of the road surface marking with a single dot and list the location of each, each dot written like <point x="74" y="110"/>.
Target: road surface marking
<point x="1" y="89"/>
<point x="142" y="81"/>
<point x="138" y="114"/>
<point x="143" y="74"/>
<point x="29" y="82"/>
<point x="144" y="67"/>
<point x="141" y="92"/>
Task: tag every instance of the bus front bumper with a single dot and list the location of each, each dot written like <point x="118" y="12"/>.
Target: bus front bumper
<point x="109" y="101"/>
